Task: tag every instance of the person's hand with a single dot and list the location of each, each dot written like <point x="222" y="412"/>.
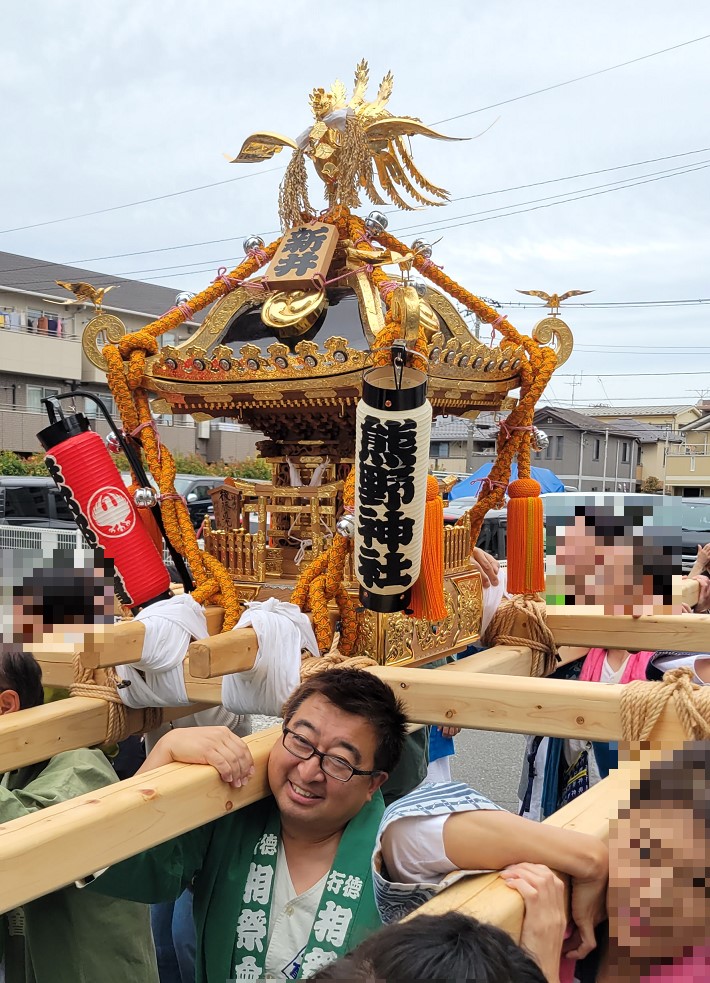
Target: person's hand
<point x="702" y="605"/>
<point x="216" y="746"/>
<point x="588" y="910"/>
<point x="545" y="918"/>
<point x="450" y="731"/>
<point x="702" y="560"/>
<point x="487" y="566"/>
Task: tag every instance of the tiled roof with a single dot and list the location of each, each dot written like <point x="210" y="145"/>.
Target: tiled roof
<point x="634" y="411"/>
<point x="622" y="427"/>
<point x="456" y="428"/>
<point x="37" y="276"/>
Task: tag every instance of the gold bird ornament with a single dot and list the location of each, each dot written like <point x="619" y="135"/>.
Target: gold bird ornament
<point x="553" y="301"/>
<point x="355" y="145"/>
<point x="86" y="293"/>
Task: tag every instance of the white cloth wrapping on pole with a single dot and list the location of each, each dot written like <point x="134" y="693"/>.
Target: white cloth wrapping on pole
<point x="492" y="597"/>
<point x="170" y="626"/>
<point x="282" y="631"/>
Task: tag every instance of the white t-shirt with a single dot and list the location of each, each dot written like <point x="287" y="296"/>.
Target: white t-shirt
<point x="416" y="866"/>
<point x="290" y="922"/>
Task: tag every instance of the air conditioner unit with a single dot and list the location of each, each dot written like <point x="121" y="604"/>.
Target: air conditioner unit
<point x="203" y="430"/>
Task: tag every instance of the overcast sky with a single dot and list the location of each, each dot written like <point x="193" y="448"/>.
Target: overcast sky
<point x="108" y="103"/>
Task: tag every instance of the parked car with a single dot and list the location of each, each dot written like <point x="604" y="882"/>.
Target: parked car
<point x="492" y="537"/>
<point x="453" y="510"/>
<point x="696" y="528"/>
<point x="194" y="488"/>
<point x="33" y="502"/>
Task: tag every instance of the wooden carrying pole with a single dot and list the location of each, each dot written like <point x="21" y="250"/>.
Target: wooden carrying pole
<point x="235" y="651"/>
<point x="52" y="847"/>
<point x="516" y="705"/>
<point x="41" y="732"/>
<point x="467" y="694"/>
<point x="34" y="735"/>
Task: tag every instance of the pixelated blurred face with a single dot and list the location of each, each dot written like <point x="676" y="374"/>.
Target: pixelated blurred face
<point x="600" y="573"/>
<point x="658" y="899"/>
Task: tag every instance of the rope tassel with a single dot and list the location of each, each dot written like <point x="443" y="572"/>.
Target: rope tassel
<point x="526" y="558"/>
<point x="428" y="599"/>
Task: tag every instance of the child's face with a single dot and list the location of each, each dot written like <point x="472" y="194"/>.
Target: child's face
<point x="658" y="898"/>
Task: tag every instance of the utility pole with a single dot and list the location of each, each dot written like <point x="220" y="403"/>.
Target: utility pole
<point x="574" y="384"/>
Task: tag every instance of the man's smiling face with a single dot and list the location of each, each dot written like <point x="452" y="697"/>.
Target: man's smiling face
<point x="310" y="801"/>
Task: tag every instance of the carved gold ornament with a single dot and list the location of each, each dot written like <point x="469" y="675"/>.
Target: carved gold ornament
<point x="354" y="145"/>
<point x="553" y="329"/>
<point x="294" y="313"/>
<point x="406" y="312"/>
<point x="86" y="293"/>
<point x="108" y="325"/>
<point x="553" y="301"/>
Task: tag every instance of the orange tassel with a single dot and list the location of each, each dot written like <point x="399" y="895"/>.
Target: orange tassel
<point x="526" y="557"/>
<point x="428" y="599"/>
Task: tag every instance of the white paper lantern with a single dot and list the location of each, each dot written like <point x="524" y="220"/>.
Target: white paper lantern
<point x="393" y="431"/>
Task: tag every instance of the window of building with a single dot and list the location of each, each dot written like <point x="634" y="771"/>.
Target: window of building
<point x="439" y="448"/>
<point x="559" y="447"/>
<point x="35" y="395"/>
<point x="91" y="410"/>
<point x="548" y="450"/>
<point x="624" y="452"/>
<point x="597" y="450"/>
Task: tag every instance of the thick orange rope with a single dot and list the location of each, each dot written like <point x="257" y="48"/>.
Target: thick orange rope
<point x="125" y="370"/>
<point x="322" y="581"/>
<point x="535" y="373"/>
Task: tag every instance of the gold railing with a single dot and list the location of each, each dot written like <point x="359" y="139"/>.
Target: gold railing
<point x="456" y="546"/>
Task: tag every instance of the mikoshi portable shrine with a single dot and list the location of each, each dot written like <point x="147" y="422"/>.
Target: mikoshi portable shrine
<point x="339" y="343"/>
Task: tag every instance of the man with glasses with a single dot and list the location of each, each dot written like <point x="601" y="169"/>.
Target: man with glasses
<point x="289" y="883"/>
<point x="285" y="885"/>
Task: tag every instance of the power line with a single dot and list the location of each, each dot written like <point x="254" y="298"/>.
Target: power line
<point x="471" y="112"/>
<point x="272" y="232"/>
<point x="213" y="242"/>
<point x="142" y="201"/>
<point x="626" y="185"/>
<point x="579" y="78"/>
<point x="521" y="211"/>
<point x="437" y="226"/>
<point x="568" y="177"/>
<point x="609" y="375"/>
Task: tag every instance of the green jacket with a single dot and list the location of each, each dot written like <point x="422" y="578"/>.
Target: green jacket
<point x="71" y="936"/>
<point x="209" y="858"/>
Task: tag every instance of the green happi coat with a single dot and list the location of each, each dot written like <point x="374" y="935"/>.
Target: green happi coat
<point x="221" y="858"/>
<point x="70" y="936"/>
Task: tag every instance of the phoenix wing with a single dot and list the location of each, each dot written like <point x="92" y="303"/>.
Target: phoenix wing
<point x="261" y="146"/>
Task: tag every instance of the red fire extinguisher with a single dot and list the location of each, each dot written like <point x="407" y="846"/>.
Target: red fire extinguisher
<point x="93" y="489"/>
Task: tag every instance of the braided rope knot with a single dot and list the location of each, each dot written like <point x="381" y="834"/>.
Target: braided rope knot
<point x="540" y="639"/>
<point x="138" y="341"/>
<point x="117" y="726"/>
<point x="642" y="704"/>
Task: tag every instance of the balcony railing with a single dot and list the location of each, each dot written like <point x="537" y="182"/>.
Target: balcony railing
<point x="687" y="450"/>
<point x="17" y="322"/>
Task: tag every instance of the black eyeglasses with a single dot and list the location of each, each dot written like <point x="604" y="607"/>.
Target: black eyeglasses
<point x="331" y="765"/>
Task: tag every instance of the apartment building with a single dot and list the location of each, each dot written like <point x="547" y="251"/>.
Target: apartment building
<point x="41" y="326"/>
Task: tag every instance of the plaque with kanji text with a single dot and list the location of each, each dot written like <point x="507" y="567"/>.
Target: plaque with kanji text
<point x="303" y="257"/>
